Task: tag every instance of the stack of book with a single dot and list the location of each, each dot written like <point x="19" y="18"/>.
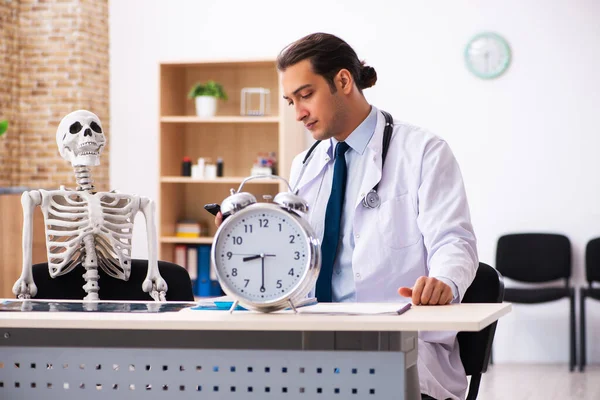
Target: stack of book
<point x="196" y="259"/>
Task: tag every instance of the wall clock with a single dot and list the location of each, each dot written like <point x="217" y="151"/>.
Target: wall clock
<point x="487" y="55"/>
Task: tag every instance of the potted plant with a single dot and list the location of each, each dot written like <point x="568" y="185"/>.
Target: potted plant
<point x="3" y="126"/>
<point x="206" y="95"/>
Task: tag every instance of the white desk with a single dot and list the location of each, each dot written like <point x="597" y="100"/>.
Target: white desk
<point x="217" y="355"/>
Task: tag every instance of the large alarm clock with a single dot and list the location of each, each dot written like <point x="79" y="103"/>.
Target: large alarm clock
<point x="266" y="255"/>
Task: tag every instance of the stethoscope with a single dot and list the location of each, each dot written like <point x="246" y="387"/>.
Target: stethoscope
<point x="371" y="200"/>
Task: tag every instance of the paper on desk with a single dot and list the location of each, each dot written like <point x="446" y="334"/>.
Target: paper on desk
<point x="356" y="308"/>
<point x="226" y="302"/>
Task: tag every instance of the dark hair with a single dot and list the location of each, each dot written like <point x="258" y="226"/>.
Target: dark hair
<point x="328" y="54"/>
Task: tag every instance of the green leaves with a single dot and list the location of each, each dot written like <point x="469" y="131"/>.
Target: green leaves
<point x="210" y="88"/>
<point x="3" y="127"/>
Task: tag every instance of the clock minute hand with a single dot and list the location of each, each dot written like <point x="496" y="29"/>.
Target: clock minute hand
<point x="262" y="288"/>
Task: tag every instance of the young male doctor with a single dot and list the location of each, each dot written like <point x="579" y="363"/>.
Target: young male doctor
<point x="403" y="228"/>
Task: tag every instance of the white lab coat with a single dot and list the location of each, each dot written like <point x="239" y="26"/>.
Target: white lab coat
<point x="422" y="228"/>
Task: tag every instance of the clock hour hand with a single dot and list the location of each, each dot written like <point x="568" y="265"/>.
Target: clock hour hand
<point x="250" y="258"/>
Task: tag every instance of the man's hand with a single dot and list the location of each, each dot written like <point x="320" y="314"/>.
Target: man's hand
<point x="428" y="291"/>
<point x="218" y="219"/>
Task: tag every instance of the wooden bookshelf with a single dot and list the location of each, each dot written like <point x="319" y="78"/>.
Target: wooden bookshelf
<point x="237" y="139"/>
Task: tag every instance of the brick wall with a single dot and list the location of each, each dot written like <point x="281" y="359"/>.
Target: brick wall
<point x="9" y="61"/>
<point x="60" y="65"/>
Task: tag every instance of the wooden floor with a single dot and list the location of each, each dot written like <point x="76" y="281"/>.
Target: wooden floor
<point x="548" y="382"/>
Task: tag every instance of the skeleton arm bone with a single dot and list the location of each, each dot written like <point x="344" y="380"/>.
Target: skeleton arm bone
<point x="25" y="287"/>
<point x="154" y="283"/>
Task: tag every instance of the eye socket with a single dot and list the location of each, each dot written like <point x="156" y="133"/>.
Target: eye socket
<point x="95" y="127"/>
<point x="75" y="127"/>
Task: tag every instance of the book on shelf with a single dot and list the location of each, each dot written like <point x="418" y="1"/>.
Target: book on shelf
<point x="196" y="260"/>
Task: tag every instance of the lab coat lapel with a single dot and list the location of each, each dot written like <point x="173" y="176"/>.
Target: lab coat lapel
<point x="315" y="165"/>
<point x="373" y="164"/>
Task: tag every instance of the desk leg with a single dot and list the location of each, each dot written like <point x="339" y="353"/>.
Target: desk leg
<point x="402" y="342"/>
<point x="408" y="343"/>
<point x="412" y="387"/>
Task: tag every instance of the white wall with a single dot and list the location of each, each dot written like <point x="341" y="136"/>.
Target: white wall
<point x="527" y="143"/>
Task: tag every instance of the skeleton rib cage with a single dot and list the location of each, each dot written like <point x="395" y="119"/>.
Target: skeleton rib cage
<point x="71" y="216"/>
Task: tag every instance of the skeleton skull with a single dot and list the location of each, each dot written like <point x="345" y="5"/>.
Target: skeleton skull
<point x="80" y="138"/>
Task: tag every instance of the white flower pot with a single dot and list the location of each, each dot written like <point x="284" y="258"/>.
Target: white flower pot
<point x="206" y="106"/>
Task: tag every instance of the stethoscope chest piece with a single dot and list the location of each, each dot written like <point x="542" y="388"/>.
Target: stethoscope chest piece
<point x="371" y="200"/>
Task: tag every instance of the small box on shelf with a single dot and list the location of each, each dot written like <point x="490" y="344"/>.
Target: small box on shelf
<point x="265" y="164"/>
<point x="255" y="101"/>
<point x="205" y="169"/>
<point x="188" y="228"/>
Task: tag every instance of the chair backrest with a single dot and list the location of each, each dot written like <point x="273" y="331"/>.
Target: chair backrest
<point x="70" y="286"/>
<point x="592" y="260"/>
<point x="534" y="257"/>
<point x="475" y="347"/>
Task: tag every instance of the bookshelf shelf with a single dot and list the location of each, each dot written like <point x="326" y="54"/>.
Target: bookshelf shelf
<point x="182" y="240"/>
<point x="233" y="180"/>
<point x="226" y="119"/>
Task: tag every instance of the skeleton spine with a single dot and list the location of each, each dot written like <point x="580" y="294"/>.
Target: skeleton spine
<point x="90" y="263"/>
<point x="83" y="175"/>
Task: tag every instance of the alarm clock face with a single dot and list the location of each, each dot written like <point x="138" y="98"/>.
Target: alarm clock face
<point x="487" y="55"/>
<point x="262" y="254"/>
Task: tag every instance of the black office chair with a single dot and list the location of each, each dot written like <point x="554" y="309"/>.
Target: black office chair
<point x="476" y="347"/>
<point x="538" y="258"/>
<point x="70" y="286"/>
<point x="592" y="274"/>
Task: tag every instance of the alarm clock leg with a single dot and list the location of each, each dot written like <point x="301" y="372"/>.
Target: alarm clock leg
<point x="233" y="306"/>
<point x="292" y="306"/>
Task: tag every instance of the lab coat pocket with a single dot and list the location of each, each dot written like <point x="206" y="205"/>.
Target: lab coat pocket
<point x="398" y="222"/>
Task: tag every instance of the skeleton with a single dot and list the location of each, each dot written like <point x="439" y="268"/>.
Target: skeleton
<point x="85" y="227"/>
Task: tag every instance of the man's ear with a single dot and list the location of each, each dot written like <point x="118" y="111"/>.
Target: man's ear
<point x="344" y="81"/>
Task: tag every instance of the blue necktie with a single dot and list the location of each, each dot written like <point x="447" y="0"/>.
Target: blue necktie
<point x="333" y="216"/>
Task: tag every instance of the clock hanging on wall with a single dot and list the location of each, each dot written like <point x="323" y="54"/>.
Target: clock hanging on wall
<point x="487" y="55"/>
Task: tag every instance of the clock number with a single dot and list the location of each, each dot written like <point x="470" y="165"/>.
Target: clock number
<point x="234" y="272"/>
<point x="279" y="284"/>
<point x="248" y="228"/>
<point x="296" y="257"/>
<point x="279" y="227"/>
<point x="247" y="282"/>
<point x="229" y="254"/>
<point x="237" y="239"/>
<point x="264" y="223"/>
<point x="292" y="238"/>
<point x="291" y="271"/>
